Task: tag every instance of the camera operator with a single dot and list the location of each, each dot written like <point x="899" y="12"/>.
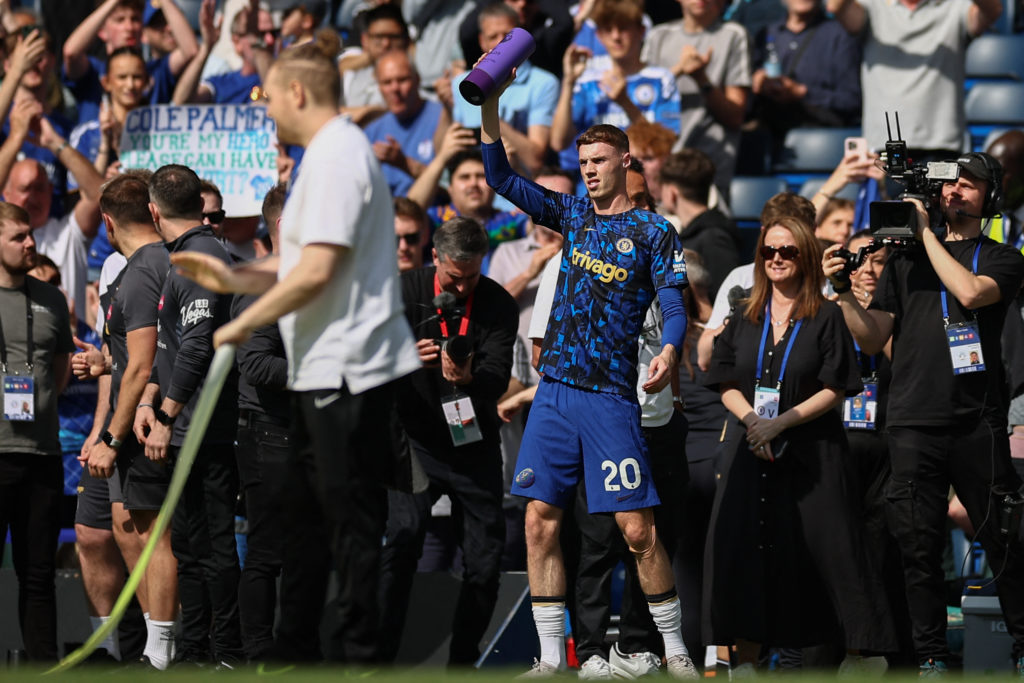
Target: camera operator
<point x="449" y="409"/>
<point x="946" y="413"/>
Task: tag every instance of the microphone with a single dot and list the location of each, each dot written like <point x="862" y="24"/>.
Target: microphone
<point x="735" y="295"/>
<point x="444" y="301"/>
<point x="962" y="213"/>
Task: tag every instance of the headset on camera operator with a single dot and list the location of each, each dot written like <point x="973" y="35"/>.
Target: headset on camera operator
<point x="942" y="299"/>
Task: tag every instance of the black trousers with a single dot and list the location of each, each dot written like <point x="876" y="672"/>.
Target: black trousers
<point x="688" y="562"/>
<point x="334" y="511"/>
<point x="474" y="484"/>
<point x="602" y="548"/>
<point x="31" y="487"/>
<point x="203" y="541"/>
<point x="975" y="459"/>
<point x="262" y="448"/>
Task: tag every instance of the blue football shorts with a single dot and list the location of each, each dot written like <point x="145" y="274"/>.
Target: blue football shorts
<point x="571" y="428"/>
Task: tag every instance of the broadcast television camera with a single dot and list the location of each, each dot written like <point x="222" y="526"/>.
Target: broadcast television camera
<point x="897" y="220"/>
<point x="894" y="223"/>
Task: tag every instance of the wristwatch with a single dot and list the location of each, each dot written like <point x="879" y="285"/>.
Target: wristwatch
<point x="109" y="439"/>
<point x="162" y="417"/>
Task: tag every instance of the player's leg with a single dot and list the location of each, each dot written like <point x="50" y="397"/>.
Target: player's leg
<point x="618" y="479"/>
<point x="144" y="485"/>
<point x="654" y="571"/>
<point x="547" y="470"/>
<point x="546" y="573"/>
<point x="162" y="591"/>
<point x="102" y="566"/>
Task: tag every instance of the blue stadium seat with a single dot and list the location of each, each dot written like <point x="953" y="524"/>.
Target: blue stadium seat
<point x="994" y="56"/>
<point x="748" y="195"/>
<point x="993" y="105"/>
<point x="811" y="152"/>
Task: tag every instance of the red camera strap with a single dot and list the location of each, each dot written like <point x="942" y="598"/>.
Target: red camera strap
<point x="464" y="325"/>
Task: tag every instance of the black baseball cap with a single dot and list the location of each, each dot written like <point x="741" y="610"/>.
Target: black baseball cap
<point x="979" y="165"/>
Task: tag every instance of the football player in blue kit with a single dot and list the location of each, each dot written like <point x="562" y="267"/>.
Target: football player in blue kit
<point x="585" y="420"/>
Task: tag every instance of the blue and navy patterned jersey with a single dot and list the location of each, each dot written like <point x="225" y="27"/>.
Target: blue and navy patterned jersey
<point x="611" y="269"/>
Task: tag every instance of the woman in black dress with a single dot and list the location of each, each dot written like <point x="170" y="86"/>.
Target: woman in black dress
<point x="786" y="565"/>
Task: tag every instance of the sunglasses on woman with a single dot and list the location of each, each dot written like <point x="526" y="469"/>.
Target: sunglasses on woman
<point x="788" y="252"/>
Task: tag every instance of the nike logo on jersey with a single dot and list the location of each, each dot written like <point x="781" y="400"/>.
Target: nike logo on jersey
<point x="321" y="402"/>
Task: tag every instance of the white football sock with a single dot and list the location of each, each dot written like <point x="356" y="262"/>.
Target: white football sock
<point x="550" y="621"/>
<point x="160" y="643"/>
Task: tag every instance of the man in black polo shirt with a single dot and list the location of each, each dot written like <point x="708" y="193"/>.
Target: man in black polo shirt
<point x="940" y="301"/>
<point x="131" y="326"/>
<point x="449" y="410"/>
<point x="203" y="531"/>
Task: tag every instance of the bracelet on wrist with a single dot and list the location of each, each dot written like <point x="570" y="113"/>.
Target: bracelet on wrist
<point x="60" y="148"/>
<point x="144" y="405"/>
<point x="826" y="195"/>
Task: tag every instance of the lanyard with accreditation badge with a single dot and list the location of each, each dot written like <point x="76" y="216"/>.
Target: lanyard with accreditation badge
<point x="19" y="390"/>
<point x="766" y="401"/>
<point x="859" y="411"/>
<point x="457" y="407"/>
<point x="964" y="338"/>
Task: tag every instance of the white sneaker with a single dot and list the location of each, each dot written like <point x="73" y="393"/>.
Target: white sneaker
<point x="540" y="670"/>
<point x="596" y="669"/>
<point x="634" y="665"/>
<point x="681" y="667"/>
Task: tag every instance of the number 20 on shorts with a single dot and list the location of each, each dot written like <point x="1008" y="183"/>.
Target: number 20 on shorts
<point x="627" y="471"/>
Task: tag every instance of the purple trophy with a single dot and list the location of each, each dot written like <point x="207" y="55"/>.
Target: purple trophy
<point x="496" y="67"/>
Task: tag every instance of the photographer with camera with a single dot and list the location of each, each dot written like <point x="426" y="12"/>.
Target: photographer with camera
<point x="943" y="297"/>
<point x="466" y="325"/>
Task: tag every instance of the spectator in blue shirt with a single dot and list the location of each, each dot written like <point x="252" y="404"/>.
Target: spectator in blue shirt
<point x="527" y="105"/>
<point x="625" y="93"/>
<point x="118" y="23"/>
<point x="249" y="29"/>
<point x="819" y="84"/>
<point x="403" y="138"/>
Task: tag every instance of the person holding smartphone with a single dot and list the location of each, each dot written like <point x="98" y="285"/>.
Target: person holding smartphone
<point x="782" y="524"/>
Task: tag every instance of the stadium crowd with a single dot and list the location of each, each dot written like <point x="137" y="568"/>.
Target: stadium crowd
<point x="570" y="357"/>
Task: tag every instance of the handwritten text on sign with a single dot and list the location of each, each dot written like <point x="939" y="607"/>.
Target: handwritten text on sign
<point x="232" y="146"/>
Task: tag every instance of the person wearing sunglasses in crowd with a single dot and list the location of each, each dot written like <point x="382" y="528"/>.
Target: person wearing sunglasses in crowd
<point x="786" y="562"/>
<point x="412" y="232"/>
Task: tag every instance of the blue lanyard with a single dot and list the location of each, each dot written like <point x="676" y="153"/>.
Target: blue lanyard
<point x="942" y="287"/>
<point x="871" y="359"/>
<point x="764" y="340"/>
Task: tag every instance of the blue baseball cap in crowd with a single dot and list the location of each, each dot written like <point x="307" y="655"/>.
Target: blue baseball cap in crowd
<point x="152" y="10"/>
